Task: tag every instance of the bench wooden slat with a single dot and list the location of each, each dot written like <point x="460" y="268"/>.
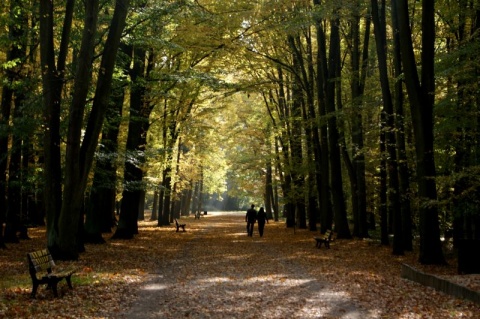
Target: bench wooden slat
<point x="43" y="270"/>
<point x="42" y="260"/>
<point x="324" y="239"/>
<point x="178" y="225"/>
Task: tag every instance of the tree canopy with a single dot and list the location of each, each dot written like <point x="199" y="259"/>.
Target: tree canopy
<point x="350" y="115"/>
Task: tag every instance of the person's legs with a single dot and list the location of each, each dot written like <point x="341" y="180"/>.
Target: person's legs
<point x="250" y="228"/>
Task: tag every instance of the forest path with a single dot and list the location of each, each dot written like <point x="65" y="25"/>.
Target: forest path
<point x="220" y="272"/>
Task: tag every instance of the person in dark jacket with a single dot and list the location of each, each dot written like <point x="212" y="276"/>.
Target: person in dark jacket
<point x="250" y="218"/>
<point x="261" y="219"/>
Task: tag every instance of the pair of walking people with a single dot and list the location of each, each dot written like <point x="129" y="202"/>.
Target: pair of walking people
<point x="254" y="216"/>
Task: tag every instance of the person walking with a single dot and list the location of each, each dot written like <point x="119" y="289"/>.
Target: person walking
<point x="250" y="218"/>
<point x="261" y="219"/>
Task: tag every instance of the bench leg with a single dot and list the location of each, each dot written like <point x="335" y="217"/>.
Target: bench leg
<point x="53" y="285"/>
<point x="69" y="281"/>
<point x="34" y="290"/>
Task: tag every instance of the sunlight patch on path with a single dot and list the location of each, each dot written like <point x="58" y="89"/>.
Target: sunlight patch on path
<point x="155" y="287"/>
<point x="255" y="297"/>
<point x="222" y="273"/>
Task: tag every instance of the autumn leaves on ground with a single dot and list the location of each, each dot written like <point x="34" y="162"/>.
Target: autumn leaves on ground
<point x="213" y="270"/>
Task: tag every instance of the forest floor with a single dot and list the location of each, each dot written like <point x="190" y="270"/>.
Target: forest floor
<point x="214" y="270"/>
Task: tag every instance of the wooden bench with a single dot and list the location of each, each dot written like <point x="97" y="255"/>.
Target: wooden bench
<point x="43" y="271"/>
<point x="182" y="226"/>
<point x="324" y="239"/>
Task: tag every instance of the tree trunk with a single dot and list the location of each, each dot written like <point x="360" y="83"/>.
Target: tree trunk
<point x="326" y="211"/>
<point x="185" y="202"/>
<point x="161" y="199"/>
<point x="421" y="104"/>
<point x="359" y="71"/>
<point x="52" y="82"/>
<point x="100" y="213"/>
<point x="79" y="156"/>
<point x="383" y="186"/>
<point x="66" y="244"/>
<point x="200" y="192"/>
<point x="127" y="222"/>
<point x="16" y="184"/>
<point x="296" y="169"/>
<point x="379" y="21"/>
<point x="276" y="211"/>
<point x="285" y="156"/>
<point x="140" y="109"/>
<point x="269" y="196"/>
<point x="167" y="195"/>
<point x="340" y="213"/>
<point x="195" y="198"/>
<point x="176" y="196"/>
<point x="303" y="74"/>
<point x="154" y="215"/>
<point x="10" y="207"/>
<point x="12" y="211"/>
<point x="141" y="206"/>
<point x="7" y="95"/>
<point x="403" y="171"/>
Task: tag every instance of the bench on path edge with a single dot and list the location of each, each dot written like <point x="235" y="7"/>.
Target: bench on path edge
<point x="178" y="225"/>
<point x="324" y="239"/>
<point x="43" y="270"/>
<point x="199" y="214"/>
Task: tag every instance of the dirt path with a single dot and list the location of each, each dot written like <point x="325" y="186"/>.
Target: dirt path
<point x="236" y="276"/>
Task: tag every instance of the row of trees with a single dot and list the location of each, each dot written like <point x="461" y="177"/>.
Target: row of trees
<point x="333" y="112"/>
<point x="104" y="88"/>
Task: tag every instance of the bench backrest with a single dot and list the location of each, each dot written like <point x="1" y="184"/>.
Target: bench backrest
<point x="328" y="234"/>
<point x="40" y="260"/>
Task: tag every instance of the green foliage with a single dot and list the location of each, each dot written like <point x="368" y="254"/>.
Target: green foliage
<point x="214" y="69"/>
<point x="11" y="64"/>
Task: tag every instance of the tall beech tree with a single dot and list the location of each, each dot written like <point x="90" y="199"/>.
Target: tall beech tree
<point x="326" y="209"/>
<point x="101" y="208"/>
<point x="53" y="75"/>
<point x="379" y="21"/>
<point x="403" y="166"/>
<point x="421" y="94"/>
<point x="462" y="39"/>
<point x="303" y="71"/>
<point x="65" y="204"/>
<point x="12" y="106"/>
<point x="359" y="66"/>
<point x="338" y="197"/>
<point x="140" y="109"/>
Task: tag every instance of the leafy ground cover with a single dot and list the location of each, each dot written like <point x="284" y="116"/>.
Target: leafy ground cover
<point x="209" y="271"/>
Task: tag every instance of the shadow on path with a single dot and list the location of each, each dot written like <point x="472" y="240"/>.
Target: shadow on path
<point x="223" y="273"/>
